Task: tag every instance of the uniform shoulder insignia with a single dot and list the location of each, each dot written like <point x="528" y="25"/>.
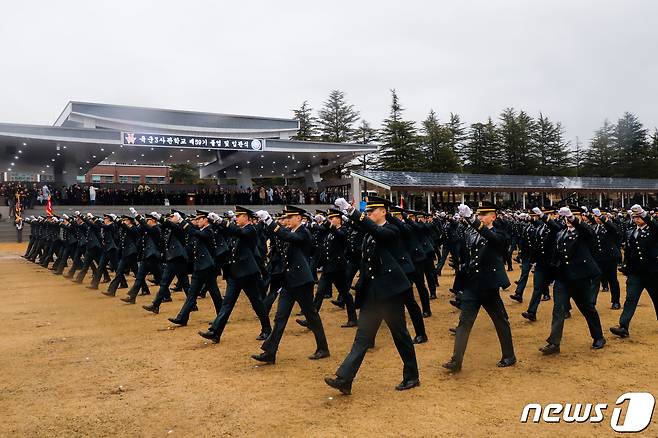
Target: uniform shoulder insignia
<point x="277" y="228"/>
<point x="363" y="216"/>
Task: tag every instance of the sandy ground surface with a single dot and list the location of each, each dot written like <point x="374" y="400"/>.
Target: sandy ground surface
<point x="76" y="363"/>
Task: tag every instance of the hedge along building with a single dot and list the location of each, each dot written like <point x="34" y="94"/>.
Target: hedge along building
<point x="424" y="190"/>
<point x="224" y="146"/>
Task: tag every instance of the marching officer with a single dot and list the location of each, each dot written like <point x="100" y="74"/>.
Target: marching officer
<point x="484" y="274"/>
<point x="150" y="263"/>
<point x="297" y="284"/>
<point x="606" y="254"/>
<point x="242" y="274"/>
<point x="204" y="276"/>
<point x="574" y="269"/>
<point x="640" y="266"/>
<point x="380" y="294"/>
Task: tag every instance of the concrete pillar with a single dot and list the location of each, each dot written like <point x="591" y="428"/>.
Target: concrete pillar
<point x="600" y="199"/>
<point x="644" y="199"/>
<point x="622" y="199"/>
<point x="523" y="200"/>
<point x="356" y="190"/>
<point x="429" y="201"/>
<point x="66" y="173"/>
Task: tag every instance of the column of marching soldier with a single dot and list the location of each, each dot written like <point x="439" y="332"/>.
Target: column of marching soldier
<point x="392" y="249"/>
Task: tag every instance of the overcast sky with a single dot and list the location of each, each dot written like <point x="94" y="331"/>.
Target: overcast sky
<point x="577" y="61"/>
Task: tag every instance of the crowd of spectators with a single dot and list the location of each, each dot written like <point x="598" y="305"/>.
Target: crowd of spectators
<point x="85" y="194"/>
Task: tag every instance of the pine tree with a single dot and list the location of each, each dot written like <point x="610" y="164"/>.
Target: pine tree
<point x="457" y="134"/>
<point x="516" y="133"/>
<point x="399" y="149"/>
<point x="482" y="152"/>
<point x="336" y="118"/>
<point x="631" y="145"/>
<point x="365" y="134"/>
<point x="437" y="144"/>
<point x="600" y="158"/>
<point x="307" y="123"/>
<point x="550" y="149"/>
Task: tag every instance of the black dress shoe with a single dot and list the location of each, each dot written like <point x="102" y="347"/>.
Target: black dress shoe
<point x="529" y="316"/>
<point x="605" y="289"/>
<point x="453" y="330"/>
<point x="109" y="294"/>
<point x="420" y="339"/>
<point x="550" y="349"/>
<point x="148" y="292"/>
<point x="338" y="303"/>
<point x="620" y="331"/>
<point x="262" y="336"/>
<point x="407" y="384"/>
<point x="517" y="297"/>
<point x="452" y="366"/>
<point x="433" y="297"/>
<point x="177" y="289"/>
<point x="266" y="358"/>
<point x="302" y="322"/>
<point x="349" y="324"/>
<point x="128" y="299"/>
<point x="427" y="314"/>
<point x="506" y="362"/>
<point x="344" y="386"/>
<point x="177" y="321"/>
<point x="167" y="300"/>
<point x="320" y="354"/>
<point x="615" y="306"/>
<point x="546" y="298"/>
<point x="598" y="343"/>
<point x="151" y="308"/>
<point x="210" y="335"/>
<point x="456" y="304"/>
<point x="567" y="315"/>
<point x="194" y="308"/>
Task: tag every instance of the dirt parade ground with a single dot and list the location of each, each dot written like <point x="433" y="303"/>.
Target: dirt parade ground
<point x="76" y="363"/>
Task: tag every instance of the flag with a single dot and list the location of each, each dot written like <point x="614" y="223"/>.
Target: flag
<point x="402" y="201"/>
<point x="49" y="207"/>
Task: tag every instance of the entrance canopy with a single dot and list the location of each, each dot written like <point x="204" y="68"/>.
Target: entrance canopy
<point x="223" y="145"/>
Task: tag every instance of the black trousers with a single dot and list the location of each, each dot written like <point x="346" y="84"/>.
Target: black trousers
<point x="91" y="255"/>
<point x="339" y="280"/>
<point x="206" y="278"/>
<point x="417" y="279"/>
<point x="103" y="261"/>
<point x="303" y="295"/>
<point x="120" y="275"/>
<point x="635" y="285"/>
<point x="149" y="266"/>
<point x="471" y="301"/>
<point x="77" y="260"/>
<point x="413" y="308"/>
<point x="176" y="267"/>
<point x="30" y="244"/>
<point x="430" y="274"/>
<point x="608" y="276"/>
<point x="581" y="292"/>
<point x="251" y="287"/>
<point x="67" y="252"/>
<point x="276" y="283"/>
<point x="373" y="312"/>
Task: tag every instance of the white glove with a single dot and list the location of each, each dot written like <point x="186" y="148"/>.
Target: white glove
<point x="89" y="216"/>
<point x="537" y="211"/>
<point x="65" y="216"/>
<point x="77" y="213"/>
<point x="319" y="218"/>
<point x="156" y="215"/>
<point x="342" y="204"/>
<point x="442" y="214"/>
<point x="133" y="211"/>
<point x="584" y="209"/>
<point x="177" y="217"/>
<point x="465" y="211"/>
<point x="345" y="218"/>
<point x="637" y="209"/>
<point x="457" y="217"/>
<point x="230" y="214"/>
<point x="596" y="212"/>
<point x="262" y="215"/>
<point x="565" y="212"/>
<point x="213" y="216"/>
